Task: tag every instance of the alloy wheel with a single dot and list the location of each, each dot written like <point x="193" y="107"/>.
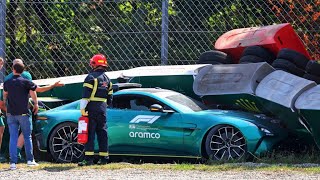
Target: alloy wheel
<point x="63" y="144"/>
<point x="227" y="143"/>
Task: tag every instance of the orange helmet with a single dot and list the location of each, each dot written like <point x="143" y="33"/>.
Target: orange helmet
<point x="98" y="60"/>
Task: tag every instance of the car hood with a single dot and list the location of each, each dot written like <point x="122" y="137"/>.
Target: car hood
<point x="259" y="120"/>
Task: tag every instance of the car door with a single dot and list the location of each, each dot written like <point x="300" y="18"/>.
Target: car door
<point x="145" y="132"/>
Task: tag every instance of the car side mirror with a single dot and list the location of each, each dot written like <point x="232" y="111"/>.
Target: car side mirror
<point x="156" y="108"/>
<point x="159" y="108"/>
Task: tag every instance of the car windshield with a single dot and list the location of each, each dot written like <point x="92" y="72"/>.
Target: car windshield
<point x="187" y="102"/>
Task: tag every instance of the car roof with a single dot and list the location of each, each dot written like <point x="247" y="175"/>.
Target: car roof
<point x="145" y="90"/>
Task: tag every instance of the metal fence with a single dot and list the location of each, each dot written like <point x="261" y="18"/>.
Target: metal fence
<point x="57" y="38"/>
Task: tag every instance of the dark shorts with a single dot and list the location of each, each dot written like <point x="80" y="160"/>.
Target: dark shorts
<point x="1" y="122"/>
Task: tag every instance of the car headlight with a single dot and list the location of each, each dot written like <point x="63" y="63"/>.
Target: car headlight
<point x="266" y="131"/>
<point x="41" y="118"/>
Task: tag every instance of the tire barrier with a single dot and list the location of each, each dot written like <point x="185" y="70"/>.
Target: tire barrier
<point x="250" y="59"/>
<point x="261" y="53"/>
<point x="288" y="66"/>
<point x="312" y="77"/>
<point x="214" y="57"/>
<point x="313" y="67"/>
<point x="293" y="56"/>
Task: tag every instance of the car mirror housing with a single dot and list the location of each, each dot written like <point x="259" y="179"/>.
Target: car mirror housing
<point x="159" y="108"/>
<point x="156" y="108"/>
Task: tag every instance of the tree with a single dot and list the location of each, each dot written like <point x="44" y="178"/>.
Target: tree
<point x="304" y="17"/>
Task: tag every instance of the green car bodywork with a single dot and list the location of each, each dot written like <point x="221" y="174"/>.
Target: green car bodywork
<point x="183" y="128"/>
<point x="183" y="78"/>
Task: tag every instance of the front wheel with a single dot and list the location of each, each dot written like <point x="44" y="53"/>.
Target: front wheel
<point x="225" y="142"/>
<point x="63" y="143"/>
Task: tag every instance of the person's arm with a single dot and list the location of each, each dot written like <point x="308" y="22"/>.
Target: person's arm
<point x="2" y="107"/>
<point x="5" y="95"/>
<point x="86" y="93"/>
<point x="1" y="99"/>
<point x="33" y="95"/>
<point x="49" y="87"/>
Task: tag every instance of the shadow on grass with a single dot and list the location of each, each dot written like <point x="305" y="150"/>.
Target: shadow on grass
<point x="154" y="160"/>
<point x="58" y="167"/>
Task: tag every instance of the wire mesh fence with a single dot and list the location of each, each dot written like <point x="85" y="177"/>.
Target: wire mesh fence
<point x="57" y="38"/>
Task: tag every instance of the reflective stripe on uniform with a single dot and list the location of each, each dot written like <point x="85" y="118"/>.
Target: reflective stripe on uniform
<point x="87" y="85"/>
<point x="94" y="90"/>
<point x="89" y="153"/>
<point x="110" y="90"/>
<point x="98" y="99"/>
<point x="103" y="154"/>
<point x="95" y="87"/>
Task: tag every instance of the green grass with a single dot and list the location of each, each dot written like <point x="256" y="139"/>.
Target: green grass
<point x="310" y="156"/>
<point x="307" y="162"/>
<point x="180" y="167"/>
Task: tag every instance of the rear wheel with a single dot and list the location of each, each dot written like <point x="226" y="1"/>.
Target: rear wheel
<point x="225" y="142"/>
<point x="63" y="143"/>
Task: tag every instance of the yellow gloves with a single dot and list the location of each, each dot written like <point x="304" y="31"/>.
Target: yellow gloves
<point x="84" y="112"/>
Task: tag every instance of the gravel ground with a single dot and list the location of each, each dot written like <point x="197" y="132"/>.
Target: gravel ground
<point x="132" y="174"/>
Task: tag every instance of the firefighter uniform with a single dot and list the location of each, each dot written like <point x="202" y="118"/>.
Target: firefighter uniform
<point x="97" y="90"/>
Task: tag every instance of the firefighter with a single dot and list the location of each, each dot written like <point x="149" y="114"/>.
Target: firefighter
<point x="96" y="96"/>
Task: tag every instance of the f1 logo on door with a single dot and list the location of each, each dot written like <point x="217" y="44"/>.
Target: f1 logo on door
<point x="144" y="118"/>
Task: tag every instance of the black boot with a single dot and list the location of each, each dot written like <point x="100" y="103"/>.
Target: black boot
<point x="103" y="161"/>
<point x="85" y="163"/>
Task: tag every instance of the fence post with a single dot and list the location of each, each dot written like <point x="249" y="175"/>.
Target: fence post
<point x="164" y="32"/>
<point x="2" y="35"/>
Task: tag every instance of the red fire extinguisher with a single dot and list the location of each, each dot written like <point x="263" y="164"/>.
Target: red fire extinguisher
<point x="83" y="129"/>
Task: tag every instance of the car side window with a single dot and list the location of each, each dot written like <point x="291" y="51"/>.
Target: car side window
<point x="121" y="102"/>
<point x="131" y="102"/>
<point x="138" y="103"/>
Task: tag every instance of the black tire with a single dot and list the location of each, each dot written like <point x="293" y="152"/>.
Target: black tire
<point x="63" y="143"/>
<point x="293" y="56"/>
<point x="286" y="65"/>
<point x="250" y="59"/>
<point x="313" y="67"/>
<point x="312" y="78"/>
<point x="214" y="56"/>
<point x="259" y="51"/>
<point x="225" y="140"/>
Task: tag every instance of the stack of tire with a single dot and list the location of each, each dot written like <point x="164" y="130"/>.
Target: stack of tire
<point x="313" y="71"/>
<point x="256" y="54"/>
<point x="214" y="57"/>
<point x="291" y="61"/>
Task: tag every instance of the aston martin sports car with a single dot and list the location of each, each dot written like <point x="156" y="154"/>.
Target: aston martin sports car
<point x="161" y="123"/>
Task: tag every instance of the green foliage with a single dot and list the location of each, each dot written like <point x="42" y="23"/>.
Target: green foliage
<point x="57" y="38"/>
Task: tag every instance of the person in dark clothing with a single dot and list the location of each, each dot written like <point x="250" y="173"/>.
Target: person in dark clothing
<point x="25" y="74"/>
<point x="96" y="96"/>
<point x="16" y="91"/>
